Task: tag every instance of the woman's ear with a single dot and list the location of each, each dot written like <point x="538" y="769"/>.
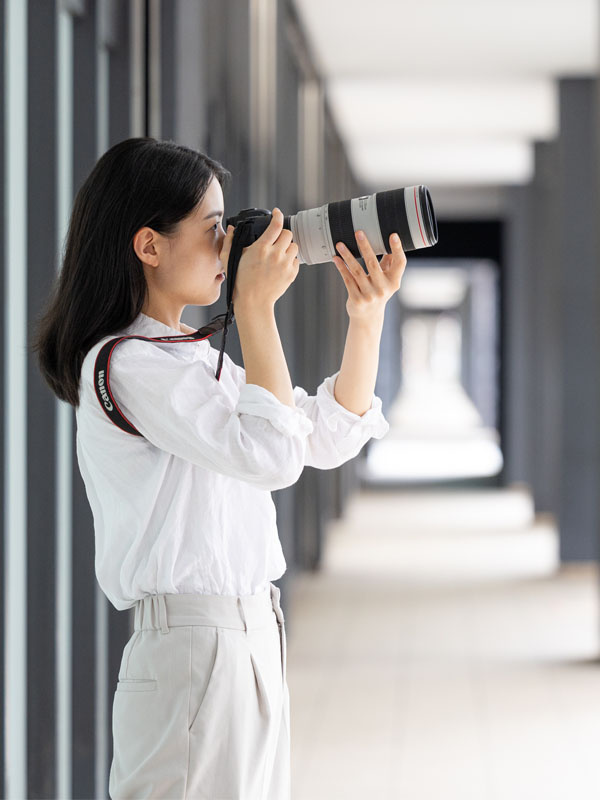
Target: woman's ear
<point x="144" y="246"/>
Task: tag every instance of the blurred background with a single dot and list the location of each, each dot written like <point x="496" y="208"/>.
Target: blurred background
<point x="441" y="594"/>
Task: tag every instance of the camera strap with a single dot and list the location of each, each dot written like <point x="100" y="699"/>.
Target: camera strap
<point x="241" y="237"/>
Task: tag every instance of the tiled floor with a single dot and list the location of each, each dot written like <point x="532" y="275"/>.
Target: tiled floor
<point x="441" y="653"/>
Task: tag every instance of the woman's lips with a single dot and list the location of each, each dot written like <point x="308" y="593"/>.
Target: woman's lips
<point x="221" y="276"/>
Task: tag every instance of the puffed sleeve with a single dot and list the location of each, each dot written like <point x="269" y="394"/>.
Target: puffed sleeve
<point x="338" y="434"/>
<point x="181" y="408"/>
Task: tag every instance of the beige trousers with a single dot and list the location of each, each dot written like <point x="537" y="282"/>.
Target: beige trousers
<point x="202" y="710"/>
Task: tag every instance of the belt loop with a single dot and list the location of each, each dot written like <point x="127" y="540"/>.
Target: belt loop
<point x="243" y="615"/>
<point x="162" y="613"/>
<point x="275" y="596"/>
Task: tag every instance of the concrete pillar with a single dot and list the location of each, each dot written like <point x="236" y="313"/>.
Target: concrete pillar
<point x="533" y="353"/>
<point x="544" y="330"/>
<point x="580" y="329"/>
<point x="518" y="350"/>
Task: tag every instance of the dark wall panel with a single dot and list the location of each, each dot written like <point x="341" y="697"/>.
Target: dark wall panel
<point x="83" y="665"/>
<point x="580" y="327"/>
<point x="167" y="70"/>
<point x="119" y="76"/>
<point x="545" y="330"/>
<point x="41" y="405"/>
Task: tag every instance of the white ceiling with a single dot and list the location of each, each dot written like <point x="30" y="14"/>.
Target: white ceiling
<point x="447" y="92"/>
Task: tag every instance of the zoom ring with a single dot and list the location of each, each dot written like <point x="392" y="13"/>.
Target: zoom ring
<point x="341" y="227"/>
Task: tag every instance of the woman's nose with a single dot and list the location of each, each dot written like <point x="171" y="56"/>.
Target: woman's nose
<point x="220" y="240"/>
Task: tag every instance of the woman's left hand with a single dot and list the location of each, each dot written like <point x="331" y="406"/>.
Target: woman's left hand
<point x="368" y="294"/>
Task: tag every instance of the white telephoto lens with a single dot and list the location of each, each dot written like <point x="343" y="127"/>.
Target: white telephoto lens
<point x="414" y="216"/>
<point x="312" y="235"/>
<point x="407" y="211"/>
<point x="364" y="218"/>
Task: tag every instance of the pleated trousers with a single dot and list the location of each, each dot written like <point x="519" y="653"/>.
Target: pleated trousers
<point x="201" y="710"/>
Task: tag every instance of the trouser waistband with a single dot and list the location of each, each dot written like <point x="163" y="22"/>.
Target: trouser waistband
<point x="243" y="612"/>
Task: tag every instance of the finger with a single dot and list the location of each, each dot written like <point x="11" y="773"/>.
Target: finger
<point x="292" y="247"/>
<point x="285" y="239"/>
<point x="342" y="268"/>
<point x="386" y="262"/>
<point x="353" y="265"/>
<point x="346" y="275"/>
<point x="367" y="253"/>
<point x="339" y="264"/>
<point x="398" y="254"/>
<point x="273" y="229"/>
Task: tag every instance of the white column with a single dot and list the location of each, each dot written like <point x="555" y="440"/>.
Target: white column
<point x="15" y="399"/>
<point x="64" y="417"/>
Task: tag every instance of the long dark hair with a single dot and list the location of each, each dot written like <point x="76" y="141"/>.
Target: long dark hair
<point x="101" y="287"/>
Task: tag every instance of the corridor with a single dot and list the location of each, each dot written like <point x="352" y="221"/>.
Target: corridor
<point x="442" y="653"/>
<point x="440" y="584"/>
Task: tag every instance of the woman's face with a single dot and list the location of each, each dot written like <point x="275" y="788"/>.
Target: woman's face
<point x="183" y="269"/>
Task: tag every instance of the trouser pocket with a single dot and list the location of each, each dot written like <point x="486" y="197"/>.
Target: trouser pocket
<point x="205" y="657"/>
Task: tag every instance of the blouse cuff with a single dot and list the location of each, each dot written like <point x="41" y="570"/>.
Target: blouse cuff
<point x="337" y="417"/>
<point x="260" y="402"/>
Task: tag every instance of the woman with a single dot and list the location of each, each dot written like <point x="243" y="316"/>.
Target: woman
<point x="185" y="526"/>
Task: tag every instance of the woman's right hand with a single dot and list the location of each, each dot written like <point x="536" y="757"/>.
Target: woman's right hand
<point x="267" y="267"/>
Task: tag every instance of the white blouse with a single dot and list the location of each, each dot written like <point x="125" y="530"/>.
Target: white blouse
<point x="187" y="507"/>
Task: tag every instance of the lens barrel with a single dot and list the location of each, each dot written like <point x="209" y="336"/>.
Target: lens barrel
<point x="407" y="211"/>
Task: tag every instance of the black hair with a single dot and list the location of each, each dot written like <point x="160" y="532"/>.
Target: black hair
<point x="101" y="287"/>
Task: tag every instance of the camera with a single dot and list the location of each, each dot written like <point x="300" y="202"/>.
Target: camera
<point x="407" y="211"/>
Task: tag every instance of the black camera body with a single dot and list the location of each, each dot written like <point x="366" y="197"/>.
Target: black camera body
<point x="255" y="220"/>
